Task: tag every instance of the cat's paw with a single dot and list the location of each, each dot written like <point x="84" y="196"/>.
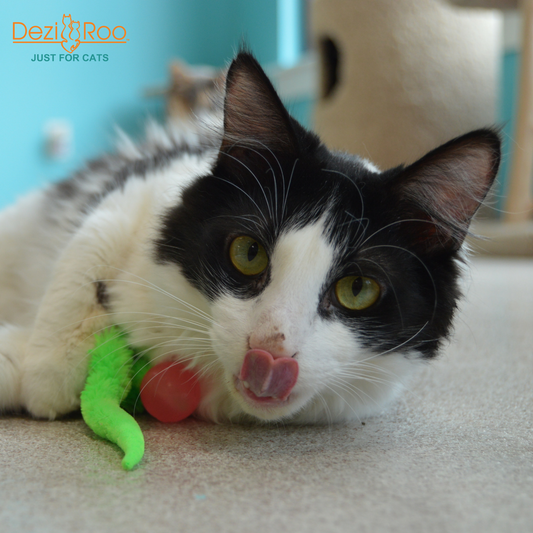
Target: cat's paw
<point x="9" y="383"/>
<point x="12" y="341"/>
<point x="51" y="409"/>
<point x="48" y="393"/>
<point x="43" y="402"/>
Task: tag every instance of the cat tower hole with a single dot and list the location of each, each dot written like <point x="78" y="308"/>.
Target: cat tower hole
<point x="329" y="57"/>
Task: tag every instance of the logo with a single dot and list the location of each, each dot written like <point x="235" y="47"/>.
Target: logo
<point x="70" y="42"/>
<point x="71" y="36"/>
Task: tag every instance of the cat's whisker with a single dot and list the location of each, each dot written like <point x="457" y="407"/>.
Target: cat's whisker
<point x="273" y="177"/>
<point x="374" y="369"/>
<point x="349" y="405"/>
<point x="277" y="221"/>
<point x="259" y="225"/>
<point x="182" y="360"/>
<point x="397" y="347"/>
<point x="396" y="382"/>
<point x="137" y="328"/>
<point x="174" y="321"/>
<point x="360" y="376"/>
<point x="398" y="222"/>
<point x="370" y="367"/>
<point x="175" y="341"/>
<point x="256" y="179"/>
<point x="363" y="224"/>
<point x="113" y="315"/>
<point x="172" y="247"/>
<point x="150" y="285"/>
<point x="286" y="192"/>
<point x="354" y="184"/>
<point x="207" y="369"/>
<point x="172" y="326"/>
<point x="327" y="410"/>
<point x="246" y="194"/>
<point x="351" y="388"/>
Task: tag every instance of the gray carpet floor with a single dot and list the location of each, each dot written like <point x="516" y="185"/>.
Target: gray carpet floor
<point x="454" y="454"/>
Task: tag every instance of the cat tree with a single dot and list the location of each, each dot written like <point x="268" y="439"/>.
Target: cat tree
<point x="399" y="77"/>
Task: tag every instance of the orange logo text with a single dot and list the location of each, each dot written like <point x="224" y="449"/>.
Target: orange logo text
<point x="70" y="35"/>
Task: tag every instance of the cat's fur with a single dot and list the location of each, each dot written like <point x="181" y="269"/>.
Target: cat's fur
<point x="140" y="239"/>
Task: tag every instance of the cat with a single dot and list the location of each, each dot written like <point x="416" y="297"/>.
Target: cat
<point x="302" y="284"/>
<point x="192" y="91"/>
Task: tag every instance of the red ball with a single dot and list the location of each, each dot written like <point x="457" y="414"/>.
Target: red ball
<point x="170" y="392"/>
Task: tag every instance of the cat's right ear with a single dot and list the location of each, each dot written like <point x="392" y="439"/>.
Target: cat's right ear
<point x="439" y="194"/>
<point x="254" y="115"/>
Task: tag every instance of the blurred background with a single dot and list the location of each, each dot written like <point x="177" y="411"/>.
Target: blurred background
<point x="87" y="99"/>
<point x="388" y="79"/>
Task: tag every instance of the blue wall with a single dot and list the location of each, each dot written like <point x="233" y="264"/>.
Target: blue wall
<point x="508" y="102"/>
<point x="98" y="95"/>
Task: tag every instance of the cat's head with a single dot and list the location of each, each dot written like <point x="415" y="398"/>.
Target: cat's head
<point x="327" y="279"/>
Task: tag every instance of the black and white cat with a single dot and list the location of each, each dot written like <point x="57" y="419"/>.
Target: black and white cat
<point x="302" y="284"/>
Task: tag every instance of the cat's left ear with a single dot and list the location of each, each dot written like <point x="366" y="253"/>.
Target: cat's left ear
<point x="254" y="115"/>
<point x="440" y="193"/>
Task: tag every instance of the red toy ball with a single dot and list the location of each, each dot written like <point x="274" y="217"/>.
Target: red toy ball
<point x="170" y="392"/>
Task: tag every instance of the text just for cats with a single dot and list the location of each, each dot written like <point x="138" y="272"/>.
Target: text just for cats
<point x="71" y="58"/>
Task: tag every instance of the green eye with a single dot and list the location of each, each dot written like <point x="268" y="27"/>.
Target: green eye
<point x="248" y="256"/>
<point x="357" y="292"/>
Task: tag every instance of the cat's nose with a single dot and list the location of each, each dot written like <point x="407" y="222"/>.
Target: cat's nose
<point x="273" y="342"/>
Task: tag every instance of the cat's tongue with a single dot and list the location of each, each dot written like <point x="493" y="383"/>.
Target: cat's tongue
<point x="267" y="377"/>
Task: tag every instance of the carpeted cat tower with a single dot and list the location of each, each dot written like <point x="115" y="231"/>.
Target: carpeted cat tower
<point x="399" y="77"/>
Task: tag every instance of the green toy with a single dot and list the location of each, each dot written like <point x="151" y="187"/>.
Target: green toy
<point x="114" y="379"/>
<point x="117" y="381"/>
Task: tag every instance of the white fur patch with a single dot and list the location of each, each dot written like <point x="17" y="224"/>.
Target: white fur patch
<point x="369" y="165"/>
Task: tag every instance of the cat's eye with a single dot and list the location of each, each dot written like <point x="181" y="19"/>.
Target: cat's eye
<point x="248" y="256"/>
<point x="357" y="292"/>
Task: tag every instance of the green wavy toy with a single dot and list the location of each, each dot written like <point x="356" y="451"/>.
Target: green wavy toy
<point x="114" y="379"/>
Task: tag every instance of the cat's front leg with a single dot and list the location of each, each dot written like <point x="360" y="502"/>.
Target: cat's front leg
<point x="54" y="366"/>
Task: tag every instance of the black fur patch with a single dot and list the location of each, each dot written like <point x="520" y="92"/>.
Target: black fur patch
<point x="102" y="296"/>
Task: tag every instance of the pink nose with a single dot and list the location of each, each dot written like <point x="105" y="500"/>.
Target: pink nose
<point x="268" y="376"/>
<point x="273" y="343"/>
